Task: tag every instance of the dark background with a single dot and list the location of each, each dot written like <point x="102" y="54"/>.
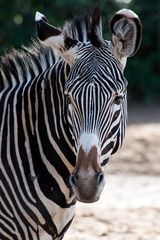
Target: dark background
<point x="17" y="27"/>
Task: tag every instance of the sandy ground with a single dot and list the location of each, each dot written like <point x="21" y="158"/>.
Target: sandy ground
<point x="129" y="208"/>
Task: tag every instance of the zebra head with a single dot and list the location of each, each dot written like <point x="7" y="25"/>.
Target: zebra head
<point x="95" y="90"/>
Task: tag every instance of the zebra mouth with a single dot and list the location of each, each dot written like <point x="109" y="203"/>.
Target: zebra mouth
<point x="87" y="200"/>
<point x="87" y="190"/>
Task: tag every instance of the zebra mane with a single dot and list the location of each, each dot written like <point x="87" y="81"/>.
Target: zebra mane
<point x="36" y="54"/>
<point x="86" y="27"/>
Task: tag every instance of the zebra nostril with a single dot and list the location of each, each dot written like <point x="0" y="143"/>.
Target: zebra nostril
<point x="73" y="180"/>
<point x="100" y="178"/>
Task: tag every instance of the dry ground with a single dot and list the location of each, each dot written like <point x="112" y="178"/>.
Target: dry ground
<point x="129" y="208"/>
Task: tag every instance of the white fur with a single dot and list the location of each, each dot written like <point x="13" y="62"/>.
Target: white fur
<point x="87" y="141"/>
<point x="123" y="62"/>
<point x="38" y="16"/>
<point x="57" y="43"/>
<point x="128" y="13"/>
<point x="43" y="234"/>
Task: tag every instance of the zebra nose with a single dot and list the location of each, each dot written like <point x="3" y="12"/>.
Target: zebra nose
<point x="87" y="179"/>
<point x="100" y="178"/>
<point x="87" y="188"/>
<point x="74" y="179"/>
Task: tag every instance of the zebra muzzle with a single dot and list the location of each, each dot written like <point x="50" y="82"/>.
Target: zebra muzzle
<point x="87" y="179"/>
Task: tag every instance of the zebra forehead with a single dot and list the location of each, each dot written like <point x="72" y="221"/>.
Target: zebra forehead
<point x="93" y="83"/>
<point x="96" y="71"/>
<point x="97" y="59"/>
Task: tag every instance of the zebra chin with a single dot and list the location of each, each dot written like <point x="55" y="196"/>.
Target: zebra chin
<point x="87" y="179"/>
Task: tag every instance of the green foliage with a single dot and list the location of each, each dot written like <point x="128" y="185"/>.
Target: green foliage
<point x="144" y="79"/>
<point x="17" y="27"/>
<point x="143" y="71"/>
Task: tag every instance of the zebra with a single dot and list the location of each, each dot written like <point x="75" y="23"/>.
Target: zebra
<point x="63" y="112"/>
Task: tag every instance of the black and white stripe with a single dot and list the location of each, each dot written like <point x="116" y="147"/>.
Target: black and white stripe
<point x="46" y="105"/>
<point x="93" y="87"/>
<point x="34" y="166"/>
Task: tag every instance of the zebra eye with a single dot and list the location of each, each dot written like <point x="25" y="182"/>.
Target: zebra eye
<point x="118" y="100"/>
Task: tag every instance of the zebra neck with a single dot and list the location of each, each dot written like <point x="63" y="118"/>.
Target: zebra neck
<point x="51" y="122"/>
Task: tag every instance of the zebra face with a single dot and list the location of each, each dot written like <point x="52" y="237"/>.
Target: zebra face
<point x="96" y="110"/>
<point x="95" y="91"/>
<point x="96" y="97"/>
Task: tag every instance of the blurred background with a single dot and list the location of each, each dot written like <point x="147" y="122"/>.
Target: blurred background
<point x="17" y="27"/>
<point x="130" y="204"/>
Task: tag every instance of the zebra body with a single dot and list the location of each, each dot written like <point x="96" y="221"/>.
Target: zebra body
<point x="29" y="185"/>
<point x="55" y="134"/>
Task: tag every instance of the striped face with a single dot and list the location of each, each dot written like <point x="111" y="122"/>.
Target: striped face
<point x="96" y="99"/>
<point x="95" y="90"/>
<point x="96" y="104"/>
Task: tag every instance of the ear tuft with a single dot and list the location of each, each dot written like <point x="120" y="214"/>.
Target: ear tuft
<point x="39" y="16"/>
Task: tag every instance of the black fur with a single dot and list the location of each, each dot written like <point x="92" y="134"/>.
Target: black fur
<point x="86" y="27"/>
<point x="94" y="30"/>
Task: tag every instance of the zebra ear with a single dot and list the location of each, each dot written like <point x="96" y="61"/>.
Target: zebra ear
<point x="55" y="38"/>
<point x="127" y="30"/>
